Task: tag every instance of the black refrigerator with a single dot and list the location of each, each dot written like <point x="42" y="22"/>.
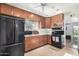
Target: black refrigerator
<point x="11" y="36"/>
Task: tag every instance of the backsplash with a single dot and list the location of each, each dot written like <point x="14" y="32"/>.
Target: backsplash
<point x="45" y="31"/>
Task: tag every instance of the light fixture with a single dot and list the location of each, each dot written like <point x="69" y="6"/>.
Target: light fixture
<point x="43" y="6"/>
<point x="58" y="11"/>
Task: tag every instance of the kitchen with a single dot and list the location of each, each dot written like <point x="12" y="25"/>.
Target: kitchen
<point x="38" y="30"/>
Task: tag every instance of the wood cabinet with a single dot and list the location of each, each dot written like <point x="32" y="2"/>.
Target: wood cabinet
<point x="45" y="22"/>
<point x="48" y="22"/>
<point x="34" y="42"/>
<point x="57" y="19"/>
<point x="14" y="11"/>
<point x="6" y="9"/>
<point x="43" y="40"/>
<point x="18" y="12"/>
<point x="27" y="44"/>
<point x="49" y="39"/>
<point x="33" y="17"/>
<point x="42" y="20"/>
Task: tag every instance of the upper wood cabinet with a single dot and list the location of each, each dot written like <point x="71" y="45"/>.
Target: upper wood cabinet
<point x="14" y="11"/>
<point x="19" y="13"/>
<point x="57" y="19"/>
<point x="42" y="21"/>
<point x="48" y="22"/>
<point x="33" y="17"/>
<point x="6" y="9"/>
<point x="25" y="14"/>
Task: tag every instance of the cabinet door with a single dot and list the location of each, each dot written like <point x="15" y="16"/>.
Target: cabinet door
<point x="42" y="23"/>
<point x="47" y="23"/>
<point x="6" y="9"/>
<point x="41" y="41"/>
<point x="34" y="42"/>
<point x="57" y="19"/>
<point x="49" y="39"/>
<point x="44" y="39"/>
<point x="53" y="21"/>
<point x="24" y="14"/>
<point x="27" y="44"/>
<point x="18" y="12"/>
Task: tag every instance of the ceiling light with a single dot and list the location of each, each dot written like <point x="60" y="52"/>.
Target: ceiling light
<point x="58" y="11"/>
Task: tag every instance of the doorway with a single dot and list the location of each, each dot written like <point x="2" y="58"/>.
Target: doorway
<point x="72" y="35"/>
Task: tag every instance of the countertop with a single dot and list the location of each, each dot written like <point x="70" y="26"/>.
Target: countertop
<point x="35" y="35"/>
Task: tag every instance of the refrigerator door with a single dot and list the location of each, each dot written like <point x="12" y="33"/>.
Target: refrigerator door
<point x="6" y="30"/>
<point x="19" y="31"/>
<point x="16" y="49"/>
<point x="2" y="31"/>
<point x="10" y="31"/>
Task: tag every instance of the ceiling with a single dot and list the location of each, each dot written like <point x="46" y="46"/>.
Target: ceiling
<point x="51" y="9"/>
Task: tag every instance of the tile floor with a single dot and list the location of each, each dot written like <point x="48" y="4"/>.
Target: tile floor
<point x="49" y="50"/>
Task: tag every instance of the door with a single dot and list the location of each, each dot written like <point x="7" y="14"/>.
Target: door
<point x="6" y="30"/>
<point x="69" y="34"/>
<point x="19" y="31"/>
<point x="15" y="49"/>
<point x="75" y="40"/>
<point x="72" y="30"/>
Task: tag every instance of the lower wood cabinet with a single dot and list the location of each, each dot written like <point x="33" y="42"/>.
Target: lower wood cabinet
<point x="34" y="42"/>
<point x="49" y="39"/>
<point x="27" y="44"/>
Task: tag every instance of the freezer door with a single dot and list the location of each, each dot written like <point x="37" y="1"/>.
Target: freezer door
<point x="12" y="50"/>
<point x="3" y="51"/>
<point x="16" y="49"/>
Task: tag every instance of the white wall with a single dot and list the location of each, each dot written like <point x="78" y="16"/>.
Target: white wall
<point x="67" y="19"/>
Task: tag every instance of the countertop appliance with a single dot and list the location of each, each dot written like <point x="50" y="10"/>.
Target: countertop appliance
<point x="57" y="40"/>
<point x="11" y="36"/>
